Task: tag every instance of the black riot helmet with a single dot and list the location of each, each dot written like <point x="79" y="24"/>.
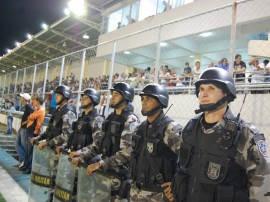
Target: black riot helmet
<point x="93" y="94"/>
<point x="64" y="90"/>
<point x="221" y="79"/>
<point x="125" y="90"/>
<point x="158" y="92"/>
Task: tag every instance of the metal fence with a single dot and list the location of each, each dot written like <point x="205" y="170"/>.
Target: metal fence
<point x="172" y="54"/>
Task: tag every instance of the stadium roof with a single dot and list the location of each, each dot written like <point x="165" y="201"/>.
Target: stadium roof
<point x="62" y="37"/>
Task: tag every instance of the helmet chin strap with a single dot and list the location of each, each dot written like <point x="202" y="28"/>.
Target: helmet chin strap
<point x="212" y="107"/>
<point x="152" y="111"/>
<point x="61" y="101"/>
<point x="118" y="104"/>
<point x="87" y="106"/>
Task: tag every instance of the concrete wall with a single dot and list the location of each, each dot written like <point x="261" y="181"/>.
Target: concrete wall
<point x="192" y="26"/>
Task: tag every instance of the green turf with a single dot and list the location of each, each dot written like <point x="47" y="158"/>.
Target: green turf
<point x="2" y="198"/>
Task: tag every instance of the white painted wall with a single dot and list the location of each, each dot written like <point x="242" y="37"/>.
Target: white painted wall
<point x="222" y="18"/>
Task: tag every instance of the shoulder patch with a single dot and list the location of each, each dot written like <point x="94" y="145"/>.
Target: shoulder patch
<point x="262" y="148"/>
<point x="260" y="142"/>
<point x="177" y="128"/>
<point x="133" y="126"/>
<point x="99" y="122"/>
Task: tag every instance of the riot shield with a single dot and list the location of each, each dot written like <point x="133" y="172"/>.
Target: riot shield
<point x="65" y="178"/>
<point x="42" y="174"/>
<point x="94" y="188"/>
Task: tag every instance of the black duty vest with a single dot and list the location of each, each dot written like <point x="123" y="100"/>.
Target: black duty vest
<point x="208" y="171"/>
<point x="113" y="127"/>
<point x="56" y="122"/>
<point x="82" y="131"/>
<point x="149" y="138"/>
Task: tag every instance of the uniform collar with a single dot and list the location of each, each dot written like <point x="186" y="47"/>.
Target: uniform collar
<point x="221" y="124"/>
<point x="158" y="119"/>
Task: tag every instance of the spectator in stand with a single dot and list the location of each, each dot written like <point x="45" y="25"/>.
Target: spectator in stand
<point x="116" y="78"/>
<point x="266" y="66"/>
<point x="211" y="64"/>
<point x="153" y="73"/>
<point x="167" y="67"/>
<point x="224" y="64"/>
<point x="11" y="109"/>
<point x="239" y="69"/>
<point x="257" y="75"/>
<point x="34" y="124"/>
<point x="119" y="25"/>
<point x="173" y="78"/>
<point x="196" y="71"/>
<point x="166" y="6"/>
<point x="147" y="75"/>
<point x="103" y="103"/>
<point x="187" y="73"/>
<point x="18" y="102"/>
<point x="20" y="142"/>
<point x="164" y="77"/>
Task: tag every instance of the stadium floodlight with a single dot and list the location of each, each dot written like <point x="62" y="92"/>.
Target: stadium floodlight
<point x="17" y="43"/>
<point x="8" y="50"/>
<point x="66" y="11"/>
<point x="77" y="7"/>
<point x="44" y="26"/>
<point x="29" y="36"/>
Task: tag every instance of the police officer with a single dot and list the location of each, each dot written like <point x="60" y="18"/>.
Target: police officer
<point x="114" y="143"/>
<point x="60" y="125"/>
<point x="222" y="158"/>
<point x="88" y="125"/>
<point x="155" y="148"/>
<point x="85" y="129"/>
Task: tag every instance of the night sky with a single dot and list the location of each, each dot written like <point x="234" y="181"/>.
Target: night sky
<point x="19" y="17"/>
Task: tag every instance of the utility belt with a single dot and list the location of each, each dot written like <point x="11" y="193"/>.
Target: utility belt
<point x="121" y="173"/>
<point x="150" y="188"/>
<point x="124" y="189"/>
<point x="125" y="182"/>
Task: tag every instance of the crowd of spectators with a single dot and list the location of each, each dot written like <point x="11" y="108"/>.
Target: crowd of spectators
<point x="259" y="72"/>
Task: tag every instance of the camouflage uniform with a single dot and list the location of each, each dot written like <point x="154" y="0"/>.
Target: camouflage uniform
<point x="120" y="158"/>
<point x="146" y="191"/>
<point x="251" y="156"/>
<point x="95" y="127"/>
<point x="83" y="134"/>
<point x="66" y="130"/>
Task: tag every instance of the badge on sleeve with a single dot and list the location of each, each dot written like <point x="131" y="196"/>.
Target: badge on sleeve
<point x="133" y="126"/>
<point x="99" y="122"/>
<point x="260" y="142"/>
<point x="262" y="147"/>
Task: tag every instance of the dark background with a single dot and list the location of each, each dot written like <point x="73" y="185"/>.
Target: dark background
<point x="19" y="17"/>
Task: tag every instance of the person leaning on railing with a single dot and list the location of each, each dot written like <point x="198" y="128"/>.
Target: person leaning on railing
<point x="239" y="69"/>
<point x="266" y="66"/>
